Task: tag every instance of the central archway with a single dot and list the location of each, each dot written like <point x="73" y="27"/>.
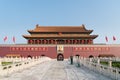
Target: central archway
<point x="29" y="56"/>
<point x="60" y="57"/>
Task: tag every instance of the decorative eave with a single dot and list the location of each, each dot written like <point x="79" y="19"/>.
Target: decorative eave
<point x="33" y="32"/>
<point x="59" y="36"/>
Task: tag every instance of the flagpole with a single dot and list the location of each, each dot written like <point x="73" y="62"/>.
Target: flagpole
<point x="14" y="39"/>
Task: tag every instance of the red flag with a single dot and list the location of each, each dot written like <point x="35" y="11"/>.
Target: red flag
<point x="5" y="38"/>
<point x="114" y="38"/>
<point x="13" y="39"/>
<point x="106" y="39"/>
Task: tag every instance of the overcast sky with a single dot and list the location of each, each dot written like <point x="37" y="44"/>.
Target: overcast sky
<point x="102" y="16"/>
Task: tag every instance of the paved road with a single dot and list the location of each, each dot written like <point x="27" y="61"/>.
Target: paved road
<point x="55" y="70"/>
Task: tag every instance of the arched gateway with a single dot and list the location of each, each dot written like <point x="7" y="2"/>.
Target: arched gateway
<point x="29" y="56"/>
<point x="60" y="57"/>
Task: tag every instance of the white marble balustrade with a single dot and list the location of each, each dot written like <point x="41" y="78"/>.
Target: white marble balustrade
<point x="94" y="64"/>
<point x="19" y="64"/>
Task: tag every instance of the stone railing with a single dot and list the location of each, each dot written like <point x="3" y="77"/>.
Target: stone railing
<point x="19" y="64"/>
<point x="109" y="71"/>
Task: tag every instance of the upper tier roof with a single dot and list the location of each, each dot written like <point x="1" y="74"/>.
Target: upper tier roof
<point x="60" y="29"/>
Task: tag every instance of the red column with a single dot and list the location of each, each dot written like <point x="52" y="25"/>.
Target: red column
<point x="40" y="41"/>
<point x="75" y="41"/>
<point x="71" y="41"/>
<point x="89" y="41"/>
<point x="68" y="41"/>
<point x="85" y="41"/>
<point x="35" y="41"/>
<point x="31" y="41"/>
<point x="54" y="41"/>
<point x="46" y="41"/>
<point x="82" y="41"/>
<point x="64" y="41"/>
<point x="49" y="41"/>
<point x="28" y="42"/>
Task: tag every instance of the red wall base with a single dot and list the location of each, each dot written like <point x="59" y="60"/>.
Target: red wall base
<point x="51" y="50"/>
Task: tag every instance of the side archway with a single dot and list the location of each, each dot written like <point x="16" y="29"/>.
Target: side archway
<point x="42" y="55"/>
<point x="91" y="56"/>
<point x="77" y="55"/>
<point x="29" y="56"/>
<point x="60" y="57"/>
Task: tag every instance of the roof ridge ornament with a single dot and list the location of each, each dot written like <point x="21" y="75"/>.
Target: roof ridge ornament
<point x="37" y="25"/>
<point x="83" y="25"/>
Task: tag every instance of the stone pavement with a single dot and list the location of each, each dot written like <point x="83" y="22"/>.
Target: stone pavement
<point x="55" y="70"/>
